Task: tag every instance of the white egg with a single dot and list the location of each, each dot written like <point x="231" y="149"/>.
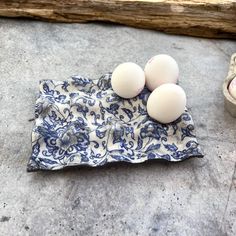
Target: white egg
<point x="128" y="80"/>
<point x="166" y="103"/>
<point x="161" y="69"/>
<point x="232" y="88"/>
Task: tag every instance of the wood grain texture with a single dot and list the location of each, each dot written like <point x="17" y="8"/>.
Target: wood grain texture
<point x="205" y="18"/>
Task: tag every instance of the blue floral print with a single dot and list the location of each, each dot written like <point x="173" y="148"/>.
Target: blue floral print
<point x="83" y="122"/>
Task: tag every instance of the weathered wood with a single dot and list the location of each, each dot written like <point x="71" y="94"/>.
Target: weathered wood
<point x="206" y="18"/>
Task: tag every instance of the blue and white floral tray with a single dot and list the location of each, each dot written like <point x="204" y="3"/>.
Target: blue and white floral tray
<point x="83" y="122"/>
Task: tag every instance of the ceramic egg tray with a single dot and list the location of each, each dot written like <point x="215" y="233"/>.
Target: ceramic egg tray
<point x="230" y="102"/>
<point x="83" y="122"/>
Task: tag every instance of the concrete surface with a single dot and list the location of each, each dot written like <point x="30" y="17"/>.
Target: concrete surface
<point x="195" y="197"/>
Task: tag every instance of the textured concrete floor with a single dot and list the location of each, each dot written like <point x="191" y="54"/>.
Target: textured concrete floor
<point x="195" y="197"/>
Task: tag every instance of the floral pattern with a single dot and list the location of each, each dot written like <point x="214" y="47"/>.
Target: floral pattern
<point x="83" y="122"/>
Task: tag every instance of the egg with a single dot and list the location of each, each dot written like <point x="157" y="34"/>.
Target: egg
<point x="161" y="69"/>
<point x="166" y="103"/>
<point x="128" y="80"/>
<point x="232" y="88"/>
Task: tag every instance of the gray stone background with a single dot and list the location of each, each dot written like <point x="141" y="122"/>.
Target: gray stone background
<point x="194" y="197"/>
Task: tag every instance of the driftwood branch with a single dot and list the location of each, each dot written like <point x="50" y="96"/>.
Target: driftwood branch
<point x="205" y="18"/>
